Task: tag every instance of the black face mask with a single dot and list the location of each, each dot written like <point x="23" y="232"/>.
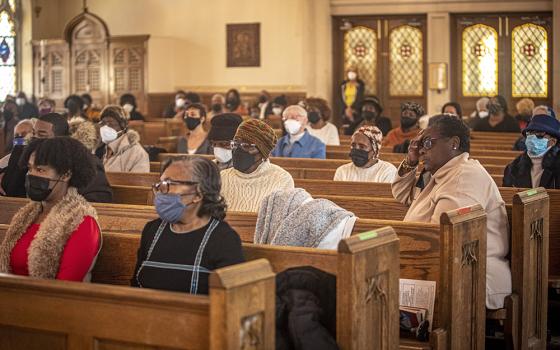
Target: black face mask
<point x="232" y="103"/>
<point x="369" y="115"/>
<point x="192" y="123"/>
<point x="313" y="117"/>
<point x="242" y="160"/>
<point x="217" y="107"/>
<point x="407" y="123"/>
<point x="37" y="187"/>
<point x="359" y="157"/>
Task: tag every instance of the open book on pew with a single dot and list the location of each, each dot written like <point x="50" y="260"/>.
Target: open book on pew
<point x="417" y="299"/>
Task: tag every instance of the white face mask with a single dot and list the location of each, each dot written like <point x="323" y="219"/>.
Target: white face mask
<point x="128" y="107"/>
<point x="483" y="114"/>
<point x="292" y="126"/>
<point x="352" y="76"/>
<point x="223" y="155"/>
<point x="20" y="101"/>
<point x="277" y="110"/>
<point x="180" y="102"/>
<point x="108" y="134"/>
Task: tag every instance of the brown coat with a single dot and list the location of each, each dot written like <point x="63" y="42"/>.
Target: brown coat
<point x="128" y="155"/>
<point x="48" y="245"/>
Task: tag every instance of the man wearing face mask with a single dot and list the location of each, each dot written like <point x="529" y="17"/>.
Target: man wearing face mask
<point x="217" y="106"/>
<point x="366" y="165"/>
<point x="121" y="150"/>
<point x="128" y="103"/>
<point x="178" y="106"/>
<point x="371" y="115"/>
<point x="410" y="113"/>
<point x="253" y="177"/>
<point x="224" y="127"/>
<point x="195" y="140"/>
<point x="498" y="120"/>
<point x="233" y="103"/>
<point x="22" y="133"/>
<point x="298" y="143"/>
<point x="539" y="165"/>
<point x="26" y="109"/>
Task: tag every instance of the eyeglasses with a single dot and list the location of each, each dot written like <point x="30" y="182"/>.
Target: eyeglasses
<point x="163" y="186"/>
<point x="247" y="147"/>
<point x="428" y="142"/>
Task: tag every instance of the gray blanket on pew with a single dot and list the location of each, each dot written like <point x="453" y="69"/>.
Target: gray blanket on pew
<point x="294" y="218"/>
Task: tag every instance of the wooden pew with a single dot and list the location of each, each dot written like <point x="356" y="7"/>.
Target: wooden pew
<point x="46" y="314"/>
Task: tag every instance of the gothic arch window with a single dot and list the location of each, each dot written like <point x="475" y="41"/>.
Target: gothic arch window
<point x="8" y="48"/>
<point x="480" y="61"/>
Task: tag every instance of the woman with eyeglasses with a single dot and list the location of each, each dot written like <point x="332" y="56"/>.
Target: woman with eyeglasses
<point x="539" y="165"/>
<point x="179" y="250"/>
<point x="253" y="177"/>
<point x="456" y="181"/>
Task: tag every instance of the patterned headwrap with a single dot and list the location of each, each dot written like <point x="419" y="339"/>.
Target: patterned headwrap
<point x="413" y="106"/>
<point x="374" y="135"/>
<point x="256" y="132"/>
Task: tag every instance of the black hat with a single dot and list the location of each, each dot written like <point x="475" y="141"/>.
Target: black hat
<point x="224" y="126"/>
<point x="374" y="101"/>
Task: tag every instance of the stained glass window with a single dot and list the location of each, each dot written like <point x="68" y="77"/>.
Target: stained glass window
<point x="360" y="52"/>
<point x="480" y="61"/>
<point x="8" y="77"/>
<point x="529" y="61"/>
<point x="405" y="61"/>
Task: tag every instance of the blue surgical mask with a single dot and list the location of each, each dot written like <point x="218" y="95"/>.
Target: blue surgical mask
<point x="536" y="147"/>
<point x="169" y="207"/>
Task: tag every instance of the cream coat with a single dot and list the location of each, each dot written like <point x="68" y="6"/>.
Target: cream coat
<point x="459" y="183"/>
<point x="128" y="155"/>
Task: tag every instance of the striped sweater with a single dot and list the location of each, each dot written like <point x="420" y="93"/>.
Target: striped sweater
<point x="244" y="192"/>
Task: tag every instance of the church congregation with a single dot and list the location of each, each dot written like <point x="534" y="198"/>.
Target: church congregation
<point x="361" y="197"/>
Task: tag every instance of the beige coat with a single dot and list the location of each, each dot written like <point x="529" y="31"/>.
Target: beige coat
<point x="459" y="183"/>
<point x="128" y="155"/>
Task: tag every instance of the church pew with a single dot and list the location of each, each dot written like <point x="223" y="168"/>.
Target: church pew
<point x="341" y="152"/>
<point x="483" y="158"/>
<point x="47" y="314"/>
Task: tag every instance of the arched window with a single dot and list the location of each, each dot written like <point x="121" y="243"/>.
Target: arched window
<point x="360" y="52"/>
<point x="529" y="77"/>
<point x="480" y="61"/>
<point x="405" y="61"/>
<point x="8" y="48"/>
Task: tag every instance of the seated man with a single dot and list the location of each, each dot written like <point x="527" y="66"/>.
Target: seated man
<point x="409" y="128"/>
<point x="539" y="165"/>
<point x="253" y="177"/>
<point x="298" y="143"/>
<point x="222" y="132"/>
<point x="366" y="165"/>
<point x="21" y="130"/>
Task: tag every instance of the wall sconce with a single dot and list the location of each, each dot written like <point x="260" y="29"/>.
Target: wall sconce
<point x="438" y="76"/>
<point x="37" y="10"/>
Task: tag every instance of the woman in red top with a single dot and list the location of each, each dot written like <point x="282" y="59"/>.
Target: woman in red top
<point x="56" y="235"/>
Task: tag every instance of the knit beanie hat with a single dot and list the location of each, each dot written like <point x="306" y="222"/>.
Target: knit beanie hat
<point x="116" y="112"/>
<point x="256" y="132"/>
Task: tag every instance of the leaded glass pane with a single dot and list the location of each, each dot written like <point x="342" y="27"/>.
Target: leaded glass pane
<point x="12" y="5"/>
<point x="360" y="52"/>
<point x="529" y="61"/>
<point x="405" y="62"/>
<point x="480" y="61"/>
<point x="7" y="56"/>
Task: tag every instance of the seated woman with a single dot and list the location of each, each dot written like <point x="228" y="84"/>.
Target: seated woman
<point x="55" y="236"/>
<point x="409" y="128"/>
<point x="179" y="250"/>
<point x="196" y="139"/>
<point x="128" y="103"/>
<point x="539" y="165"/>
<point x="366" y="165"/>
<point x="318" y="114"/>
<point x="122" y="151"/>
<point x="456" y="182"/>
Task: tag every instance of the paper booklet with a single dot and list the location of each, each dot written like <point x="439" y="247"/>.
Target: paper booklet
<point x="418" y="294"/>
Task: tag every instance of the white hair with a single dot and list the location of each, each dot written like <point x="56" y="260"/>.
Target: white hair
<point x="299" y="110"/>
<point x="543" y="108"/>
<point x="481" y="103"/>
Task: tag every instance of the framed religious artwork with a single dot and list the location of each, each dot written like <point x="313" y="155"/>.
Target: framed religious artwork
<point x="243" y="45"/>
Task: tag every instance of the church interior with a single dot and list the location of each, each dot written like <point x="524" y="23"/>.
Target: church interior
<point x="279" y="174"/>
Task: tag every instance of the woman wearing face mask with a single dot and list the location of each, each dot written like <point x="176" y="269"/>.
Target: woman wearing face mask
<point x="539" y="165"/>
<point x="121" y="150"/>
<point x="196" y="139"/>
<point x="371" y="115"/>
<point x="190" y="239"/>
<point x="456" y="182"/>
<point x="177" y="106"/>
<point x="409" y="129"/>
<point x="253" y="177"/>
<point x="366" y="165"/>
<point x="46" y="106"/>
<point x="318" y="114"/>
<point x="498" y="120"/>
<point x="298" y="143"/>
<point x="222" y="132"/>
<point x="233" y="103"/>
<point x="274" y="111"/>
<point x="128" y="103"/>
<point x="352" y="94"/>
<point x="56" y="235"/>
